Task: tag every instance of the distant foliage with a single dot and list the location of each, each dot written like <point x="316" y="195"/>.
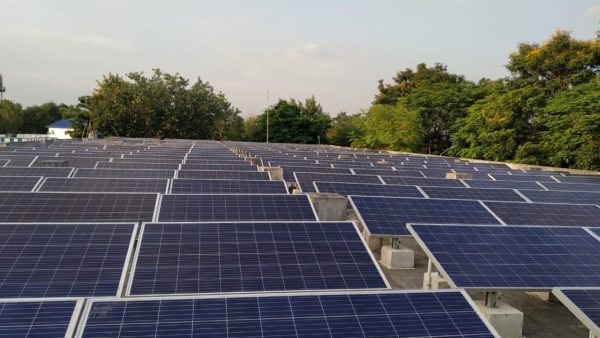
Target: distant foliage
<point x="546" y="113"/>
<point x="291" y="121"/>
<point x="161" y="106"/>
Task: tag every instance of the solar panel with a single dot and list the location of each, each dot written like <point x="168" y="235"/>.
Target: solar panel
<point x="579" y="197"/>
<point x="190" y="186"/>
<point x="504" y="184"/>
<point x="305" y="180"/>
<point x="224" y="167"/>
<point x="506" y="257"/>
<point x="39" y="317"/>
<point x="76" y="207"/>
<point x="591" y="179"/>
<point x="572" y="187"/>
<point x="385" y="314"/>
<point x="251" y="257"/>
<point x="420" y="181"/>
<point x="63" y="260"/>
<point x="18" y="183"/>
<point x="223" y="175"/>
<point x="546" y="214"/>
<point x="473" y="194"/>
<point x="137" y="165"/>
<point x="288" y="171"/>
<point x="366" y="189"/>
<point x="124" y="173"/>
<point x="388" y="216"/>
<point x="523" y="178"/>
<point x="584" y="304"/>
<point x="181" y="208"/>
<point x="54" y="172"/>
<point x="385" y="172"/>
<point x="92" y="184"/>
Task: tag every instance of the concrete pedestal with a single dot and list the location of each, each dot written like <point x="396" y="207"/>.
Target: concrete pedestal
<point x="459" y="176"/>
<point x="507" y="320"/>
<point x="545" y="296"/>
<point x="374" y="243"/>
<point x="253" y="160"/>
<point x="434" y="284"/>
<point x="329" y="206"/>
<point x="276" y="172"/>
<point x="401" y="258"/>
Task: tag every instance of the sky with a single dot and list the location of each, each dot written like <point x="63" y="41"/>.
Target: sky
<point x="336" y="50"/>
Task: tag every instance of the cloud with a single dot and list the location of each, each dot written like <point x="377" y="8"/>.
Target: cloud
<point x="593" y="11"/>
<point x="309" y="50"/>
<point x="90" y="40"/>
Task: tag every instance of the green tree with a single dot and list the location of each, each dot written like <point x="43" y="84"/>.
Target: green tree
<point x="163" y="106"/>
<point x="391" y="127"/>
<point x="293" y="122"/>
<point x="346" y="129"/>
<point x="11" y="117"/>
<point x="36" y="118"/>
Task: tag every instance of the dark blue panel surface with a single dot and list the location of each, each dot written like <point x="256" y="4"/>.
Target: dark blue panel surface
<point x="592" y="179"/>
<point x="305" y="180"/>
<point x="191" y="186"/>
<point x="425" y="182"/>
<point x="572" y="186"/>
<point x="18" y="183"/>
<point x="76" y="207"/>
<point x="366" y="189"/>
<point x="508" y="195"/>
<point x="504" y="184"/>
<point x="93" y="184"/>
<point x="62" y="260"/>
<point x="414" y="314"/>
<point x="248" y="257"/>
<point x="124" y="173"/>
<point x="580" y="197"/>
<point x="223" y="175"/>
<point x="546" y="214"/>
<point x="389" y="215"/>
<point x="35" y="318"/>
<point x="194" y="208"/>
<point x="497" y="257"/>
<point x="53" y="172"/>
<point x="288" y="171"/>
<point x="587" y="302"/>
<point x="523" y="178"/>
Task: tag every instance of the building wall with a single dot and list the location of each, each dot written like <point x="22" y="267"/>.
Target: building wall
<point x="59" y="133"/>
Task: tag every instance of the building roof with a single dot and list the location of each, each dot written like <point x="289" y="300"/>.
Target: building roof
<point x="66" y="124"/>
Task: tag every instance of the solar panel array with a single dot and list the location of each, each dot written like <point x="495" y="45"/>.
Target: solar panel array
<point x="511" y="257"/>
<point x="213" y="223"/>
<point x="394" y="314"/>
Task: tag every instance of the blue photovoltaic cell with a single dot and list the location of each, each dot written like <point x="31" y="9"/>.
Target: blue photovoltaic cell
<point x="251" y="257"/>
<point x="592" y="179"/>
<point x="224" y="167"/>
<point x="421" y="181"/>
<point x="587" y="306"/>
<point x="288" y="171"/>
<point x="508" y="195"/>
<point x="124" y="173"/>
<point x="389" y="215"/>
<point x="579" y="197"/>
<point x="223" y="175"/>
<point x="76" y="207"/>
<point x="18" y="183"/>
<point x="62" y="260"/>
<point x="190" y="186"/>
<point x="195" y="208"/>
<point x="546" y="214"/>
<point x="397" y="314"/>
<point x="572" y="187"/>
<point x="94" y="184"/>
<point x="523" y="178"/>
<point x="504" y="184"/>
<point x="388" y="172"/>
<point x="305" y="180"/>
<point x="36" y="318"/>
<point x="497" y="257"/>
<point x="366" y="189"/>
<point x="52" y="172"/>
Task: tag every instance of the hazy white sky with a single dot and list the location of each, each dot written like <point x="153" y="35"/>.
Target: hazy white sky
<point x="335" y="50"/>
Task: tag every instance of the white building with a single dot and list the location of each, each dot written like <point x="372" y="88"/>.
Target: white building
<point x="60" y="129"/>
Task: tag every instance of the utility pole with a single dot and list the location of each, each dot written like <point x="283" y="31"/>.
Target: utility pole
<point x="2" y="88"/>
<point x="267" y="115"/>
